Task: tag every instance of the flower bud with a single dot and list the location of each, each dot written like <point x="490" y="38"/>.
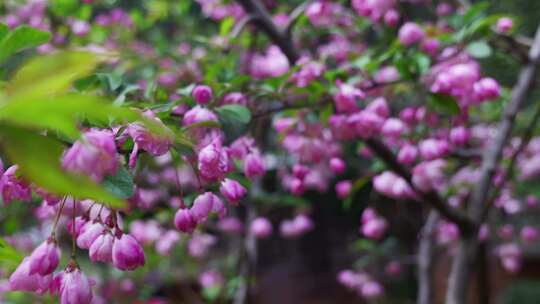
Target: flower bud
<point x="127" y="253"/>
<point x="345" y="98"/>
<point x="337" y="165"/>
<point x="343" y="188"/>
<point x="504" y="25"/>
<point x="459" y="136"/>
<point x="529" y="234"/>
<point x="261" y="228"/>
<point x="213" y="162"/>
<point x="75" y="287"/>
<point x="184" y="221"/>
<point x="410" y="33"/>
<point x="202" y="206"/>
<point x="232" y="190"/>
<point x="89" y="233"/>
<point x="45" y="258"/>
<point x="202" y="94"/>
<point x="254" y="165"/>
<point x="487" y="88"/>
<point x="101" y="248"/>
<point x="407" y="154"/>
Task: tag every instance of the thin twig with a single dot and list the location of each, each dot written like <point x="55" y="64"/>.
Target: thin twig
<point x="424" y="260"/>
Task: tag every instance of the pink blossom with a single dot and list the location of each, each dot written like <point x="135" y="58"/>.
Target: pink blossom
<point x="261" y="228"/>
<point x="459" y="136"/>
<point x="202" y="94"/>
<point x="529" y="234"/>
<point x="213" y="162"/>
<point x="75" y="287"/>
<point x="22" y="280"/>
<point x="89" y="233"/>
<point x="337" y="165"/>
<point x="94" y="154"/>
<point x="486" y="89"/>
<point x="12" y="187"/>
<point x="101" y="248"/>
<point x="346" y="98"/>
<point x="202" y="206"/>
<point x="45" y="258"/>
<point x="407" y="154"/>
<point x="184" y="221"/>
<point x="410" y="33"/>
<point x="504" y="25"/>
<point x="254" y="165"/>
<point x="127" y="253"/>
<point x="343" y="188"/>
<point x="232" y="190"/>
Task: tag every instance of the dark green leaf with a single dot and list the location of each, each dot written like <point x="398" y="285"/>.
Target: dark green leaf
<point x="234" y="119"/>
<point x="121" y="184"/>
<point x="443" y="104"/>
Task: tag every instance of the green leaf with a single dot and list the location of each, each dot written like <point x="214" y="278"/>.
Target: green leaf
<point x="234" y="119"/>
<point x="9" y="255"/>
<point x="443" y="103"/>
<point x="479" y="49"/>
<point x="121" y="184"/>
<point x="52" y="74"/>
<point x="39" y="157"/>
<point x="22" y="37"/>
<point x="226" y="26"/>
<point x="4" y="30"/>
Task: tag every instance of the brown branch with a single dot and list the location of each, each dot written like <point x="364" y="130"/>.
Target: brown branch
<point x="265" y="23"/>
<point x="432" y="198"/>
<point x="239" y="27"/>
<point x="461" y="268"/>
<point x="424" y="259"/>
<point x="294" y="16"/>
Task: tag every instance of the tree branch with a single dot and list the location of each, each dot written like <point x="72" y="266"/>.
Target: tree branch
<point x="263" y="19"/>
<point x="461" y="267"/>
<point x="432" y="198"/>
<point x="424" y="260"/>
<point x="294" y="16"/>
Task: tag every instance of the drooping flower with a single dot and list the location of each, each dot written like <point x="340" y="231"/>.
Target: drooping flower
<point x="232" y="190"/>
<point x="74" y="287"/>
<point x="45" y="258"/>
<point x="254" y="165"/>
<point x="184" y="221"/>
<point x="94" y="155"/>
<point x="202" y="94"/>
<point x="213" y="162"/>
<point x="101" y="248"/>
<point x="127" y="253"/>
<point x="22" y="280"/>
<point x="89" y="233"/>
<point x="12" y="187"/>
<point x="203" y="205"/>
<point x="261" y="228"/>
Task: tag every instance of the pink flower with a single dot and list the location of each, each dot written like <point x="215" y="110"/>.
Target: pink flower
<point x="101" y="248"/>
<point x="232" y="190"/>
<point x="45" y="258"/>
<point x="373" y="9"/>
<point x="230" y="225"/>
<point x="393" y="127"/>
<point x="374" y="228"/>
<point x="504" y="25"/>
<point x="254" y="165"/>
<point x="89" y="233"/>
<point x="410" y="33"/>
<point x="80" y="27"/>
<point x="22" y="280"/>
<point x="94" y="154"/>
<point x="429" y="175"/>
<point x="184" y="221"/>
<point x="234" y="98"/>
<point x="366" y="123"/>
<point x="337" y="165"/>
<point x="346" y="98"/>
<point x="166" y="242"/>
<point x="433" y="148"/>
<point x="213" y="162"/>
<point x="391" y="18"/>
<point x="75" y="287"/>
<point x="13" y="188"/>
<point x="202" y="94"/>
<point x="391" y="185"/>
<point x="261" y="228"/>
<point x="145" y="140"/>
<point x="486" y="89"/>
<point x="407" y="154"/>
<point x="203" y="135"/>
<point x="202" y="206"/>
<point x="529" y="234"/>
<point x="343" y="188"/>
<point x="272" y="64"/>
<point x="459" y="136"/>
<point x="127" y="253"/>
<point x="511" y="257"/>
<point x="211" y="279"/>
<point x="371" y="290"/>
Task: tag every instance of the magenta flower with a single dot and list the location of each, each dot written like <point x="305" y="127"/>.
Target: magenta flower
<point x="184" y="221"/>
<point x="254" y="165"/>
<point x="337" y="165"/>
<point x="202" y="206"/>
<point x="45" y="258"/>
<point x="94" y="154"/>
<point x="232" y="190"/>
<point x="213" y="162"/>
<point x="504" y="25"/>
<point x="89" y="233"/>
<point x="74" y="287"/>
<point x="346" y="98"/>
<point x="261" y="228"/>
<point x="147" y="141"/>
<point x="127" y="253"/>
<point x="13" y="188"/>
<point x="410" y="33"/>
<point x="22" y="280"/>
<point x="202" y="94"/>
<point x="101" y="248"/>
<point x="343" y="188"/>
